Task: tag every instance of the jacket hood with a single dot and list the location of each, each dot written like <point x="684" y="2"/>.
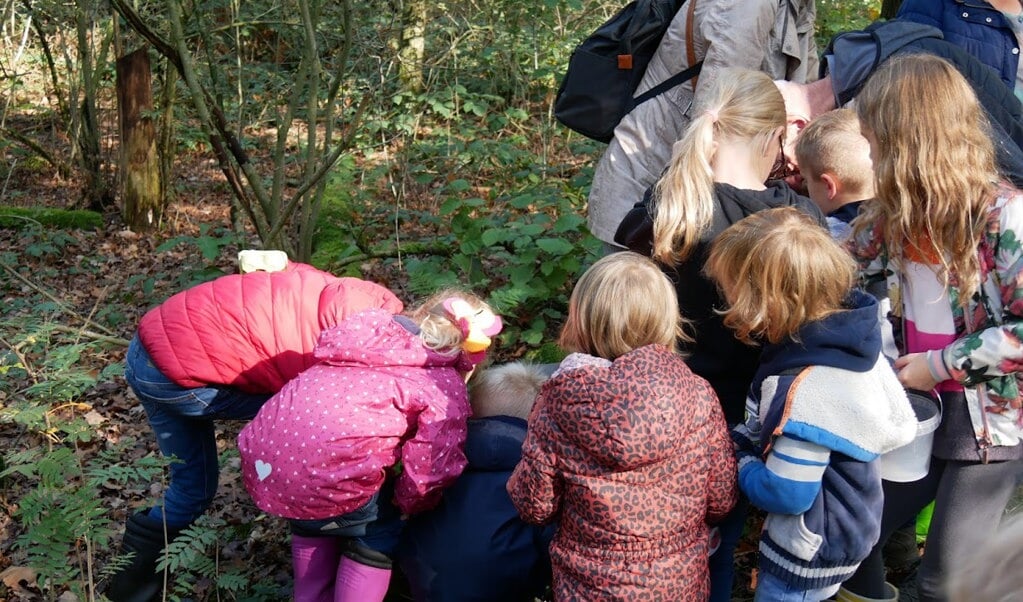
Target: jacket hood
<point x="849" y="339"/>
<point x="375" y="338"/>
<point x="623" y="415"/>
<point x="737" y="203"/>
<point x="495" y="443"/>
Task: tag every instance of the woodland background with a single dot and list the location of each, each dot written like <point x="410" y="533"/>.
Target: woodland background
<point x="144" y="143"/>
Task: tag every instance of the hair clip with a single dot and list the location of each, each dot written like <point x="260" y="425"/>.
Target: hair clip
<point x="477" y="325"/>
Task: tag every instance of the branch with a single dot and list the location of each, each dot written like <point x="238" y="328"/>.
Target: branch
<point x="35" y="147"/>
<point x="414" y="248"/>
<point x="63" y="306"/>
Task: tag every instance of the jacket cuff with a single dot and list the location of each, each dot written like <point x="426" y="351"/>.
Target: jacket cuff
<point x="937" y="366"/>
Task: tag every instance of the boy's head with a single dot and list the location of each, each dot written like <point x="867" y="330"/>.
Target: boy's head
<point x="778" y="271"/>
<point x="506" y="390"/>
<point x="834" y="160"/>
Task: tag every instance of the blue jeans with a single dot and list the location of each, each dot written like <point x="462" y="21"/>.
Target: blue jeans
<point x="722" y="561"/>
<point x="773" y="589"/>
<point x="182" y="419"/>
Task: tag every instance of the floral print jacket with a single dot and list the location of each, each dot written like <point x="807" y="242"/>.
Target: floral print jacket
<point x="987" y="356"/>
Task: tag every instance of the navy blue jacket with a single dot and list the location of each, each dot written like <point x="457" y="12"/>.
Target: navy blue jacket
<point x="473" y="545"/>
<point x="973" y="25"/>
<point x="820" y="433"/>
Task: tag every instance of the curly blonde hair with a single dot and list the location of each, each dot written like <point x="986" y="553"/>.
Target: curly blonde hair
<point x="743" y="104"/>
<point x="438" y="330"/>
<point x="778" y="270"/>
<point x="623" y="302"/>
<point x="934" y="165"/>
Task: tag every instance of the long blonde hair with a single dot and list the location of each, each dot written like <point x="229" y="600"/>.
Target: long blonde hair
<point x="623" y="302"/>
<point x="934" y="165"/>
<point x="743" y="104"/>
<point x="779" y="270"/>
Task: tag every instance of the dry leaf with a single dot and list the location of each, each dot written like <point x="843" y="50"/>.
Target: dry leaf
<point x="94" y="418"/>
<point x="18" y="578"/>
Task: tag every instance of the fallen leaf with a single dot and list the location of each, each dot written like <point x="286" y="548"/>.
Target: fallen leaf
<point x="18" y="578"/>
<point x="94" y="418"/>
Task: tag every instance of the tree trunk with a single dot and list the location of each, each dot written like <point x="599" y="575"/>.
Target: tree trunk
<point x="139" y="162"/>
<point x="889" y="8"/>
<point x="413" y="44"/>
<point x="97" y="190"/>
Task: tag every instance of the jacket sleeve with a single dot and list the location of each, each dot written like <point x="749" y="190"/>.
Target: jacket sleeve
<point x="788" y="481"/>
<point x="722" y="488"/>
<point x="535" y="486"/>
<point x="345" y="297"/>
<point x="998" y="349"/>
<point x="433" y="458"/>
<point x="928" y="12"/>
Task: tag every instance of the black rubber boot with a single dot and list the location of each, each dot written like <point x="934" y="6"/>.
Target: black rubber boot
<point x="139" y="581"/>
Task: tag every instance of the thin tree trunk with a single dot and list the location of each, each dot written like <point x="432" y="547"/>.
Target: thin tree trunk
<point x="139" y="164"/>
<point x="413" y="44"/>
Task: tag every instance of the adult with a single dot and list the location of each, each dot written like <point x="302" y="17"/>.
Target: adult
<point x="989" y="30"/>
<point x="216" y="351"/>
<point x="853" y="56"/>
<point x="766" y="35"/>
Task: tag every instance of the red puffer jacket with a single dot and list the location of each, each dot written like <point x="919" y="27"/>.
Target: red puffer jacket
<point x="633" y="459"/>
<point x="253" y="331"/>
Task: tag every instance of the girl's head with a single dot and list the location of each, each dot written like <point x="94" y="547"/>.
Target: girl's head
<point x="744" y="106"/>
<point x="934" y="163"/>
<point x="453" y="321"/>
<point x="623" y="302"/>
<point x="778" y="270"/>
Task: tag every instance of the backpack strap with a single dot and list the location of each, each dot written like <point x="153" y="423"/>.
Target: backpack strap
<point x="692" y="73"/>
<point x="690" y="52"/>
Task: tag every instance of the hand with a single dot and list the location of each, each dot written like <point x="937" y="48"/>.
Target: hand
<point x="913" y="372"/>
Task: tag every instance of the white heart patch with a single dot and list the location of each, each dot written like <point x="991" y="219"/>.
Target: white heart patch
<point x="263" y="469"/>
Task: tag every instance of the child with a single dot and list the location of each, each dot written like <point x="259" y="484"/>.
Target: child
<point x="212" y="352"/>
<point x="824" y="403"/>
<point x="626" y="448"/>
<point x="715" y="178"/>
<point x="945" y="230"/>
<point x="474" y="546"/>
<point x="834" y="160"/>
<point x="382" y="415"/>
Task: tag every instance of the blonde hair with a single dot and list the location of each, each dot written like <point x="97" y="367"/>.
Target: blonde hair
<point x="934" y="166"/>
<point x="991" y="572"/>
<point x="832" y="143"/>
<point x="623" y="302"/>
<point x="742" y="104"/>
<point x="506" y="390"/>
<point x="779" y="271"/>
<point x="437" y="329"/>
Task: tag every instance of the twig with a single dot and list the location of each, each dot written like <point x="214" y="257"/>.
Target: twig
<point x="21" y="359"/>
<point x="63" y="306"/>
<point x="95" y="336"/>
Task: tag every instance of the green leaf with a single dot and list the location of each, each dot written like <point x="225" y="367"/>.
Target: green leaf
<point x="554" y="246"/>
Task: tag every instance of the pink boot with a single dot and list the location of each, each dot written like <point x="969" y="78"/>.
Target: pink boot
<point x="358" y="582"/>
<point x="315" y="561"/>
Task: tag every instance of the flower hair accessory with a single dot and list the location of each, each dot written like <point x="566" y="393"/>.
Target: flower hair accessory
<point x="477" y="325"/>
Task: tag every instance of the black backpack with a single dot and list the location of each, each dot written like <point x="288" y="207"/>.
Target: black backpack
<point x="607" y="67"/>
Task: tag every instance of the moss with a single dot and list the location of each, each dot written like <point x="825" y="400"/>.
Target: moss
<point x="20" y="217"/>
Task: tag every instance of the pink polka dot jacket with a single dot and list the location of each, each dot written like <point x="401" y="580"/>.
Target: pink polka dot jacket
<point x="321" y="447"/>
